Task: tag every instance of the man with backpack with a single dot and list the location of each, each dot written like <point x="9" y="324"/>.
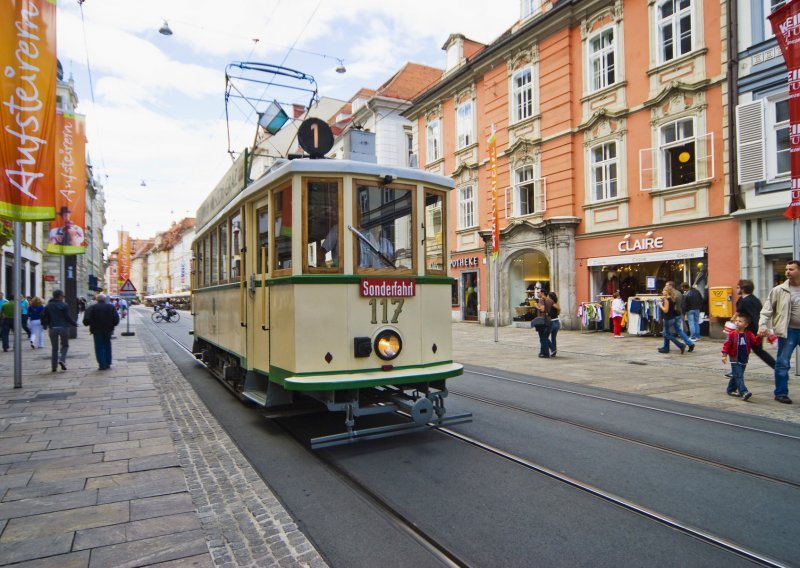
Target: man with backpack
<point x="57" y="318"/>
<point x="101" y="318"/>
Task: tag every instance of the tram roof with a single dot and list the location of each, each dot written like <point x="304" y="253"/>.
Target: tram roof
<point x="333" y="166"/>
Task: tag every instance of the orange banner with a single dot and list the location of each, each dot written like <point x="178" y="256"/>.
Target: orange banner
<point x="124" y="257"/>
<point x="27" y="109"/>
<point x="66" y="230"/>
<point x="493" y="177"/>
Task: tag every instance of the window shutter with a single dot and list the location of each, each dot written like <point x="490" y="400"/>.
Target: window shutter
<point x="751" y="141"/>
<point x="540" y="195"/>
<point x="704" y="156"/>
<point x="648" y="174"/>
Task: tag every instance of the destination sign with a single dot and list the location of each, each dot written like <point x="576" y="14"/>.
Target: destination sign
<point x="388" y="287"/>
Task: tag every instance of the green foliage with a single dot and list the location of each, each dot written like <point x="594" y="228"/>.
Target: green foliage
<point x="6" y="232"/>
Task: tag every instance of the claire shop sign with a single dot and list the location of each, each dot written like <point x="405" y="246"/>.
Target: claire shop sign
<point x="647" y="243"/>
<point x="388" y="287"/>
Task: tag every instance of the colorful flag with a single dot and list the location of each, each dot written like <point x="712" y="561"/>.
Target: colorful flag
<point x="786" y="25"/>
<point x="66" y="234"/>
<point x="124" y="257"/>
<point x="27" y="109"/>
<point x="493" y="175"/>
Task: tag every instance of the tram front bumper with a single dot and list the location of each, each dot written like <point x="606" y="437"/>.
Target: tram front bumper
<point x="366" y="379"/>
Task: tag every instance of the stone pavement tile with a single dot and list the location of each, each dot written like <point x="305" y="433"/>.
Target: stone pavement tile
<point x="38" y="526"/>
<point x="23" y="427"/>
<point x="138" y="428"/>
<point x="13" y="480"/>
<point x="138" y="530"/>
<point x="129" y="453"/>
<point x="19" y="445"/>
<point x="149" y="551"/>
<point x="11" y="552"/>
<point x="116" y="446"/>
<point x="201" y="561"/>
<point x="90" y="470"/>
<point x="46" y="504"/>
<point x="83" y="458"/>
<point x="71" y="560"/>
<point x="14" y="458"/>
<point x="162" y="505"/>
<point x="62" y="452"/>
<point x="147" y="434"/>
<point x="137" y="485"/>
<point x="153" y="462"/>
<point x="29" y="432"/>
<point x="34" y="490"/>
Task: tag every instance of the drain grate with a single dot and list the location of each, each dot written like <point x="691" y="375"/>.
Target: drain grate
<point x="44" y="396"/>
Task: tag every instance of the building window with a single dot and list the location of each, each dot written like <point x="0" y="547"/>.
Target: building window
<point x="530" y="8"/>
<point x="674" y="20"/>
<point x="410" y="158"/>
<point x="601" y="66"/>
<point x="677" y="151"/>
<point x="778" y="146"/>
<point x="523" y="188"/>
<point x="464" y="126"/>
<point x="433" y="150"/>
<point x="466" y="207"/>
<point x="769" y="7"/>
<point x="604" y="164"/>
<point x="522" y="94"/>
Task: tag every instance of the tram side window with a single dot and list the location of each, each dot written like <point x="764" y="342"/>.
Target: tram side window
<point x="263" y="239"/>
<point x="322" y="225"/>
<point x="383" y="227"/>
<point x="434" y="232"/>
<point x="236" y="246"/>
<point x="283" y="228"/>
<point x="223" y="253"/>
<point x="197" y="266"/>
<point x="213" y="259"/>
<point x="206" y="262"/>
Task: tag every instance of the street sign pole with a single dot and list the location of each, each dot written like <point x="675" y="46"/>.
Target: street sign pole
<point x="128" y="292"/>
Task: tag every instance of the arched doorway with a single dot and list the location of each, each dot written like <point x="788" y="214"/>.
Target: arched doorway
<point x="527" y="273"/>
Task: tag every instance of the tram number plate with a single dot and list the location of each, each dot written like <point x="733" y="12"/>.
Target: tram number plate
<point x="397" y="304"/>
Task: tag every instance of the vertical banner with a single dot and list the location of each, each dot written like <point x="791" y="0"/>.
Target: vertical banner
<point x="124" y="258"/>
<point x="66" y="230"/>
<point x="27" y="109"/>
<point x="786" y="25"/>
<point x="493" y="176"/>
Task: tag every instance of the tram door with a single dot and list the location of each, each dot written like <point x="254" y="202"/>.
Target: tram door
<point x="258" y="291"/>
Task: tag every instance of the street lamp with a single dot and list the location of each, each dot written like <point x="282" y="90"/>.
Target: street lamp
<point x="164" y="30"/>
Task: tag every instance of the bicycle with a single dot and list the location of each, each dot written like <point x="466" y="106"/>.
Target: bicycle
<point x="170" y="316"/>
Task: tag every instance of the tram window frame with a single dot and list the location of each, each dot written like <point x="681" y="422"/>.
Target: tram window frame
<point x="358" y="204"/>
<point x="207" y="264"/>
<point x="306" y="192"/>
<point x="276" y="237"/>
<point x="236" y="266"/>
<point x="262" y="242"/>
<point x="443" y="247"/>
<point x="214" y="257"/>
<point x="224" y="251"/>
<point x="198" y="264"/>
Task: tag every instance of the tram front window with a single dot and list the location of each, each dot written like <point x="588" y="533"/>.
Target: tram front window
<point x="323" y="227"/>
<point x="383" y="227"/>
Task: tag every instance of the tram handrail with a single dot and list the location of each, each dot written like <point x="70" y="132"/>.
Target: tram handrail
<point x="264" y="288"/>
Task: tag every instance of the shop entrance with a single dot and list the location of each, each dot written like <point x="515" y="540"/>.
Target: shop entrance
<point x="469" y="295"/>
<point x="528" y="277"/>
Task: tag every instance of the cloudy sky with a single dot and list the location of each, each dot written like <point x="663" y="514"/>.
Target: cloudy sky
<point x="155" y="104"/>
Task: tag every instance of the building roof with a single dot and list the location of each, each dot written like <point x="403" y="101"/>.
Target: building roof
<point x="409" y="81"/>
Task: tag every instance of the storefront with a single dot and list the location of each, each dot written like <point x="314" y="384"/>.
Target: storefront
<point x="640" y="263"/>
<point x="467" y="288"/>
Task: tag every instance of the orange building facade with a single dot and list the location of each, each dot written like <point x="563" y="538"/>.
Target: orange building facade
<point x="612" y="144"/>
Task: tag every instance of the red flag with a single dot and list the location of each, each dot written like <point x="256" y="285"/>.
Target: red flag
<point x="786" y="25"/>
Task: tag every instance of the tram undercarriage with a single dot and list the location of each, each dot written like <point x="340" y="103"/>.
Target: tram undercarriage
<point x="422" y="402"/>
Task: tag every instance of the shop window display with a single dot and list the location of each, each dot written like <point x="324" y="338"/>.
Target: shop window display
<point x="632" y="279"/>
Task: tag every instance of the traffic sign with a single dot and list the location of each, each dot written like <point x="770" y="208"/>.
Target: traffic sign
<point x="127" y="287"/>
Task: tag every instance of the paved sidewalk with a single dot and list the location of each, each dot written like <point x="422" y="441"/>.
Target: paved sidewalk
<point x="126" y="467"/>
<point x="630" y="364"/>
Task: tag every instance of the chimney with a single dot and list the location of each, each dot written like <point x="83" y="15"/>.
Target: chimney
<point x="298" y="110"/>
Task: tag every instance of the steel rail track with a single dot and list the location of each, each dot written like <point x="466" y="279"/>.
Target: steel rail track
<point x="631" y="404"/>
<point x="630" y="439"/>
<point x="382" y="506"/>
<point x="626" y="504"/>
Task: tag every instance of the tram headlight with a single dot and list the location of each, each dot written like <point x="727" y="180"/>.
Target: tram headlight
<point x="388" y="345"/>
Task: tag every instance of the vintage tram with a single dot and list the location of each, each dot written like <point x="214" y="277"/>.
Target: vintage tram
<point x="327" y="280"/>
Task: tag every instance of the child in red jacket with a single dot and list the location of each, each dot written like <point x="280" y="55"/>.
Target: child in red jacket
<point x="738" y="347"/>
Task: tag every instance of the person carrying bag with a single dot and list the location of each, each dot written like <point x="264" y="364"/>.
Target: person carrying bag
<point x="542" y="325"/>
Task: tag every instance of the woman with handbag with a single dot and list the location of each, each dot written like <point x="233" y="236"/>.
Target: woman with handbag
<point x="542" y="324"/>
<point x="555" y="323"/>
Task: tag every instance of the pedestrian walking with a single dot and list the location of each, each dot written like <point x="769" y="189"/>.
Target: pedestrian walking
<point x="555" y="323"/>
<point x="35" y="323"/>
<point x="738" y="345"/>
<point x="692" y="304"/>
<point x="617" y="313"/>
<point x="7" y="320"/>
<point x="57" y="318"/>
<point x="544" y="307"/>
<point x="750" y="305"/>
<point x="102" y="318"/>
<point x="672" y="327"/>
<point x="781" y="313"/>
<point x="23" y="313"/>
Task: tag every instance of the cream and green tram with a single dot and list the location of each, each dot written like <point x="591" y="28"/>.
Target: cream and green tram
<point x="327" y="280"/>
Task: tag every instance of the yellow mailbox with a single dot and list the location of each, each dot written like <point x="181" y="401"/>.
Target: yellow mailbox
<point x="720" y="302"/>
